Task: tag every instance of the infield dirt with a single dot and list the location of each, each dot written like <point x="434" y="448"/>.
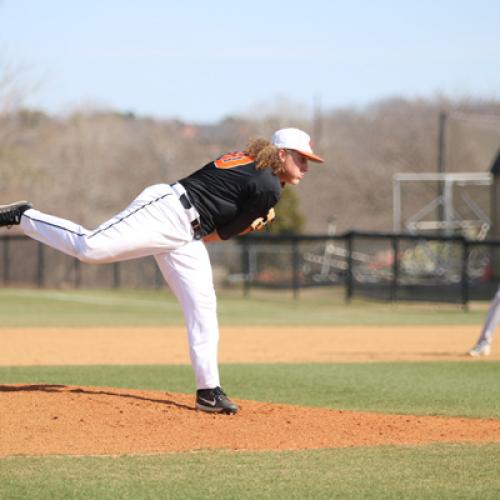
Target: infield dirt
<point x="56" y="419"/>
<point x="299" y="344"/>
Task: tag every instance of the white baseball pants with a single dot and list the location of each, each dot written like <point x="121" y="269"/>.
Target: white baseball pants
<point x="492" y="320"/>
<point x="157" y="224"/>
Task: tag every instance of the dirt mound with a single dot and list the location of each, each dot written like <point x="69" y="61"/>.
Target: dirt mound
<point x="69" y="420"/>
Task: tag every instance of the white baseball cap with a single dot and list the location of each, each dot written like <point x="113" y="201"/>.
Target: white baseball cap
<point x="296" y="139"/>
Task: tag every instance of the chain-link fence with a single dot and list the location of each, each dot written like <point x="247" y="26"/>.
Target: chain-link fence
<point x="378" y="265"/>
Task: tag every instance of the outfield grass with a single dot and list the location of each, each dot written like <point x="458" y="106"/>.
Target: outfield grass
<point x="29" y="307"/>
<point x="422" y="388"/>
<point x="444" y="471"/>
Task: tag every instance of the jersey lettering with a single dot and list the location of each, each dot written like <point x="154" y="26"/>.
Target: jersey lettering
<point x="231" y="160"/>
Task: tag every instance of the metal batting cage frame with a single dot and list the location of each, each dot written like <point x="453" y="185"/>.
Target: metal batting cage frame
<point x="451" y="221"/>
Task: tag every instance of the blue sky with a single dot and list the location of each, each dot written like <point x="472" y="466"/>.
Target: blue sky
<point x="200" y="61"/>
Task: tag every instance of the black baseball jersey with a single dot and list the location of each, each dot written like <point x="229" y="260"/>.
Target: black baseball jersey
<point x="230" y="193"/>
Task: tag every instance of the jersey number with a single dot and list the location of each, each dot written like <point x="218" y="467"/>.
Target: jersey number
<point x="231" y="160"/>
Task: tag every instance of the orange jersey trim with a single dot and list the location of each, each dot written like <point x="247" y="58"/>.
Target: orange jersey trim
<point x="231" y="160"/>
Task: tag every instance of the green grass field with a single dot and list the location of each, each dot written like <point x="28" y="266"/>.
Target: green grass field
<point x="421" y="388"/>
<point x="133" y="307"/>
<point x="445" y="471"/>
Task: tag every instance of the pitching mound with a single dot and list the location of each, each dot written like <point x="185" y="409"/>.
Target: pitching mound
<point x="58" y="419"/>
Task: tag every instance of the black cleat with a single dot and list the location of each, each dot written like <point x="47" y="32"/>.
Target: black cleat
<point x="10" y="215"/>
<point x="214" y="401"/>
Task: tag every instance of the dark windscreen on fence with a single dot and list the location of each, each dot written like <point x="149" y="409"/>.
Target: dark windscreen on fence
<point x="383" y="266"/>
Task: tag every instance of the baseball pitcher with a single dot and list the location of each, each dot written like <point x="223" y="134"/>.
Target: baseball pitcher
<point x="229" y="196"/>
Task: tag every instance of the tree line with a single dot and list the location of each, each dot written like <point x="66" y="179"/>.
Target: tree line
<point x="89" y="164"/>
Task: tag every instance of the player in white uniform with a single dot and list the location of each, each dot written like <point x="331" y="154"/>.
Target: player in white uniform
<point x="171" y="222"/>
<point x="483" y="344"/>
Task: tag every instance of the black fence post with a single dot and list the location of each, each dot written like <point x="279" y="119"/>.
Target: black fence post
<point x="395" y="268"/>
<point x="348" y="276"/>
<point x="77" y="273"/>
<point x="6" y="261"/>
<point x="245" y="267"/>
<point x="295" y="267"/>
<point x="158" y="278"/>
<point x="116" y="275"/>
<point x="465" y="274"/>
<point x="40" y="265"/>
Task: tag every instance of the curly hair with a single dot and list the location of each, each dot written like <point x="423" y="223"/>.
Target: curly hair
<point x="265" y="155"/>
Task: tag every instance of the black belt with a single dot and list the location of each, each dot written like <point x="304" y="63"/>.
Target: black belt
<point x="186" y="203"/>
<point x="195" y="222"/>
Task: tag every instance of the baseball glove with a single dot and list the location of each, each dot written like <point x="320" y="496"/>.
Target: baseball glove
<point x="261" y="222"/>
